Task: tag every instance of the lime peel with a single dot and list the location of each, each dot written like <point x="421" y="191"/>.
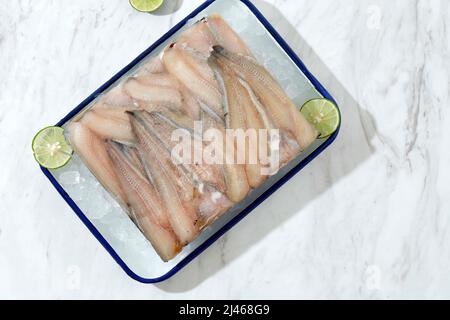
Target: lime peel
<point x="146" y="5"/>
<point x="50" y="148"/>
<point x="323" y="114"/>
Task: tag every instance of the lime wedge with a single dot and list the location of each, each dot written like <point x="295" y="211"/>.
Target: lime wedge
<point x="51" y="149"/>
<point x="323" y="114"/>
<point x="146" y="5"/>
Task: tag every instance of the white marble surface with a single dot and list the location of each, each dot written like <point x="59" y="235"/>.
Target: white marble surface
<point x="369" y="218"/>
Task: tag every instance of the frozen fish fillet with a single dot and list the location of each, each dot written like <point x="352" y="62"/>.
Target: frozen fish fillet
<point x="210" y="79"/>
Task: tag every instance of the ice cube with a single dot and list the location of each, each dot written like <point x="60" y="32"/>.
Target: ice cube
<point x="77" y="192"/>
<point x="69" y="178"/>
<point x="257" y="44"/>
<point x="271" y="63"/>
<point x="240" y="24"/>
<point x="234" y="14"/>
<point x="121" y="231"/>
<point x="100" y="203"/>
<point x="136" y="240"/>
<point x="111" y="216"/>
<point x="99" y="210"/>
<point x="293" y="90"/>
<point x="259" y="32"/>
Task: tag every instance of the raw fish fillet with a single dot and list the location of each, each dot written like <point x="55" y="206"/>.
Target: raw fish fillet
<point x="193" y="71"/>
<point x="283" y="111"/>
<point x="113" y="124"/>
<point x="182" y="215"/>
<point x="145" y="207"/>
<point x="92" y="150"/>
<point x="208" y="77"/>
<point x="244" y="115"/>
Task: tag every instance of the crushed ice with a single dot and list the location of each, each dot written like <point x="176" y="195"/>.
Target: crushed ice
<point x="105" y="213"/>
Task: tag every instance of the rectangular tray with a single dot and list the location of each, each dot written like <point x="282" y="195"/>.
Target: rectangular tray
<point x="159" y="271"/>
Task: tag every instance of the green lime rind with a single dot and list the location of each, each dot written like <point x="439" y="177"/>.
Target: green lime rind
<point x="146" y="5"/>
<point x="50" y="148"/>
<point x="323" y="114"/>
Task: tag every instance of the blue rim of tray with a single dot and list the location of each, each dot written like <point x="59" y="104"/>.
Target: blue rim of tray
<point x="247" y="210"/>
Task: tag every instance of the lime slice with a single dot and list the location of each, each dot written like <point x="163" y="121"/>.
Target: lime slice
<point x="146" y="5"/>
<point x="323" y="114"/>
<point x="51" y="149"/>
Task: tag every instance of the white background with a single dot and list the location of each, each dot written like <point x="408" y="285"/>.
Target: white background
<point x="369" y="218"/>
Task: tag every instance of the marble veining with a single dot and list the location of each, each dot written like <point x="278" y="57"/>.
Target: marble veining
<point x="369" y="218"/>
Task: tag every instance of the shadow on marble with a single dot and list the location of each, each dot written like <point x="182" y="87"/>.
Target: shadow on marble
<point x="358" y="129"/>
<point x="168" y="7"/>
